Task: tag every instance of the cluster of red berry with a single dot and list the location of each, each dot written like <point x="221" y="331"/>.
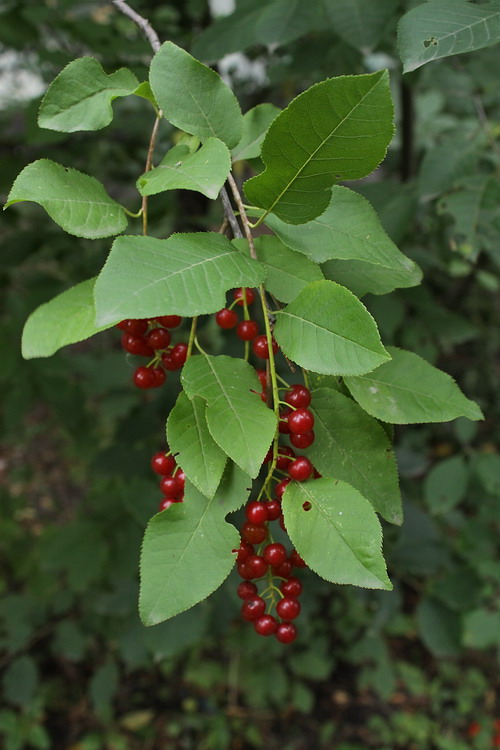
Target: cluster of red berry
<point x="270" y="561"/>
<point x="172" y="479"/>
<point x="151" y="338"/>
<point x="246" y="330"/>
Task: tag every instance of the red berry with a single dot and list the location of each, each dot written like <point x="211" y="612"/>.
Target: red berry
<point x="179" y="354"/>
<point x="282" y="523"/>
<point x="302" y="440"/>
<point x="288" y="609"/>
<point x="246" y="590"/>
<point x="291" y="588"/>
<point x="283" y="423"/>
<point x="243" y="551"/>
<point x="252" y="533"/>
<point x="169" y="321"/>
<point x="281" y="487"/>
<point x="136" y="345"/>
<point x="158" y="338"/>
<point x="496" y="740"/>
<point x="181" y="478"/>
<point x="286" y="632"/>
<point x="243" y="571"/>
<point x="135" y="327"/>
<point x="296" y="560"/>
<point x="247" y="330"/>
<point x="144" y="377"/>
<point x="284" y="570"/>
<point x="248" y="293"/>
<point x="168" y="363"/>
<point x="226" y="318"/>
<point x="285" y="456"/>
<point x="261" y="374"/>
<point x="170" y="486"/>
<point x="269" y="453"/>
<point x="162" y="464"/>
<point x="298" y="396"/>
<point x="266" y="625"/>
<point x="301" y="469"/>
<point x="256" y="565"/>
<point x="301" y="420"/>
<point x="273" y="508"/>
<point x="274" y="554"/>
<point x="166" y="502"/>
<point x="256" y="512"/>
<point x="122" y="325"/>
<point x="253" y="608"/>
<point x="260" y="348"/>
<point x="159" y="375"/>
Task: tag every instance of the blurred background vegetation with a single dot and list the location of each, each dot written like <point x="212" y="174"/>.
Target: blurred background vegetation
<point x="414" y="668"/>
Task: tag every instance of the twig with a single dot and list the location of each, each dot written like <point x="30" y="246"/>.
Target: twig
<point x="243" y="214"/>
<point x="228" y="210"/>
<point x="149" y="164"/>
<point x="141" y="22"/>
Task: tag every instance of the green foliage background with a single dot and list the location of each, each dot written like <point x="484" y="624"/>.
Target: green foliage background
<point x="407" y="668"/>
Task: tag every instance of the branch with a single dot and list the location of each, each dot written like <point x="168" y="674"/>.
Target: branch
<point x="228" y="210"/>
<point x="141" y="22"/>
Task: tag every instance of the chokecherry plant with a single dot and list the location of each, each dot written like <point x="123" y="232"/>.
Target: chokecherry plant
<point x="311" y="461"/>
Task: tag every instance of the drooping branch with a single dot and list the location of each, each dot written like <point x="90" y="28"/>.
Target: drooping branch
<point x="141" y="22"/>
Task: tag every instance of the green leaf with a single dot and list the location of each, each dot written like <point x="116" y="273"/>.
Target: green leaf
<point x="481" y="629"/>
<point x="75" y="201"/>
<point x="198" y="454"/>
<point x="349" y="229"/>
<point x="446" y="484"/>
<point x="20" y="682"/>
<point x="80" y="97"/>
<point x="186" y="274"/>
<point x="408" y="390"/>
<point x="66" y="319"/>
<point x="238" y="420"/>
<point x="328" y="330"/>
<point x="255" y="125"/>
<point x="366" y="278"/>
<point x="193" y="97"/>
<point x="287" y="272"/>
<point x="204" y="171"/>
<point x="340" y="536"/>
<point x="353" y="447"/>
<point x="338" y="129"/>
<point x="487" y="468"/>
<point x="188" y="549"/>
<point x="440" y="28"/>
<point x="440" y="628"/>
<point x="361" y="24"/>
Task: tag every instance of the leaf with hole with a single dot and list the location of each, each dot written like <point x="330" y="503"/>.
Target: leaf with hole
<point x="408" y="390"/>
<point x="75" y="201"/>
<point x="339" y="537"/>
<point x="204" y="171"/>
<point x="328" y="330"/>
<point x="338" y="129"/>
<point x="238" y="420"/>
<point x="197" y="452"/>
<point x="186" y="274"/>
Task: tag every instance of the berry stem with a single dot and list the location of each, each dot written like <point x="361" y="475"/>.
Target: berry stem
<point x="192" y="336"/>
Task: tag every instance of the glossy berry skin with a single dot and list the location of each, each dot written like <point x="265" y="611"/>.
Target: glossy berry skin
<point x="247" y="330"/>
<point x="274" y="554"/>
<point x="256" y="565"/>
<point x="256" y="512"/>
<point x="284" y="570"/>
<point x="179" y="354"/>
<point x="243" y="571"/>
<point x="301" y="469"/>
<point x="266" y="625"/>
<point x="285" y="456"/>
<point x="169" y="321"/>
<point x="296" y="560"/>
<point x="261" y="374"/>
<point x="246" y="590"/>
<point x="302" y="440"/>
<point x="286" y="632"/>
<point x="159" y="375"/>
<point x="253" y="608"/>
<point x="158" y="338"/>
<point x="291" y="588"/>
<point x="260" y="348"/>
<point x="281" y="487"/>
<point x="166" y="502"/>
<point x="243" y="551"/>
<point x="162" y="464"/>
<point x="288" y="609"/>
<point x="252" y="533"/>
<point x="298" y="396"/>
<point x="301" y="420"/>
<point x="135" y="327"/>
<point x="248" y="293"/>
<point x="170" y="486"/>
<point x="226" y="318"/>
<point x="136" y="345"/>
<point x="273" y="508"/>
<point x="144" y="378"/>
